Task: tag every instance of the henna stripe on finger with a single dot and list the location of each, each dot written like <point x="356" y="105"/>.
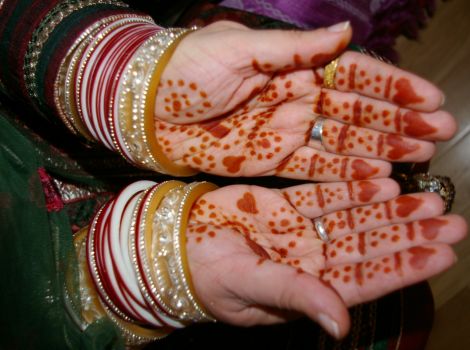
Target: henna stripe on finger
<point x="372" y="278"/>
<point x="357" y="141"/>
<point x="373" y="78"/>
<point x="353" y="109"/>
<point x="399" y="210"/>
<point x="313" y="200"/>
<point x="389" y="239"/>
<point x="329" y="167"/>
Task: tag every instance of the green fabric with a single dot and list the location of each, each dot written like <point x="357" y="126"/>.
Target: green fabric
<point x="35" y="252"/>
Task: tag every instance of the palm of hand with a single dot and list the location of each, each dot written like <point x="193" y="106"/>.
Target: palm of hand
<point x="248" y="109"/>
<point x="254" y="251"/>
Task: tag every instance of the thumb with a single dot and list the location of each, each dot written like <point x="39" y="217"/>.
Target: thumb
<point x="275" y="50"/>
<point x="283" y="287"/>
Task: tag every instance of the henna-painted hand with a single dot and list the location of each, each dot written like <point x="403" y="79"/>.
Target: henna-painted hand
<point x="255" y="257"/>
<point x="238" y="102"/>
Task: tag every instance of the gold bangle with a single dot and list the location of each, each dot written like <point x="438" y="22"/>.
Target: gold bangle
<point x="168" y="254"/>
<point x="44" y="30"/>
<point x="192" y="192"/>
<point x="91" y="309"/>
<point x="330" y="73"/>
<point x="135" y="335"/>
<point x="137" y="100"/>
<point x="154" y="280"/>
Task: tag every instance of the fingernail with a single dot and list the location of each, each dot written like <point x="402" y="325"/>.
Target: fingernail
<point x="339" y="27"/>
<point x="443" y="100"/>
<point x="330" y="325"/>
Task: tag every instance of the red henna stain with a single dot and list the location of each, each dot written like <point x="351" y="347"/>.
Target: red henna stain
<point x="321" y="58"/>
<point x="312" y="166"/>
<point x="265" y="143"/>
<point x="388" y="86"/>
<point x="388" y="210"/>
<point x="318" y="78"/>
<point x="420" y="256"/>
<point x="342" y="138"/>
<point x="233" y="164"/>
<point x="176" y="106"/>
<point x="283" y="164"/>
<point x="201" y="229"/>
<point x="357" y="113"/>
<point x="292" y="244"/>
<point x="247" y="204"/>
<point x="399" y="147"/>
<point x="297" y="60"/>
<point x="406" y="205"/>
<point x="237" y="226"/>
<point x="257" y="249"/>
<point x="344" y="167"/>
<point x="320" y="101"/>
<point x="361" y="243"/>
<point x="350" y="191"/>
<point x="320" y="199"/>
<point x="368" y="190"/>
<point x="284" y="222"/>
<point x="431" y="227"/>
<point x="281" y="251"/>
<point x="397" y="120"/>
<point x="380" y="144"/>
<point x="410" y="231"/>
<point x="256" y="66"/>
<point x="352" y="76"/>
<point x="362" y="170"/>
<point x="358" y="274"/>
<point x="405" y="94"/>
<point x="416" y="126"/>
<point x="216" y="128"/>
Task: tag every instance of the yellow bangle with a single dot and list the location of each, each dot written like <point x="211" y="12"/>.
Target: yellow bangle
<point x="136" y="98"/>
<point x="192" y="192"/>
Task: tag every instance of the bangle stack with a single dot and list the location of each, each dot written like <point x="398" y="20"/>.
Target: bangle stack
<point x="106" y="86"/>
<point x="146" y="293"/>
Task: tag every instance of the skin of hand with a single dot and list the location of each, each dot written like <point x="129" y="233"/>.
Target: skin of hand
<point x="234" y="101"/>
<point x="255" y="257"/>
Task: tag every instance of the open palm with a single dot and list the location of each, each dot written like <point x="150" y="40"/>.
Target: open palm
<point x="237" y="102"/>
<point x="256" y="258"/>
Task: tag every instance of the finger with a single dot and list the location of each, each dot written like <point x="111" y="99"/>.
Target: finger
<point x="355" y="248"/>
<point x="365" y="281"/>
<point x="295" y="49"/>
<point x="313" y="200"/>
<point x="346" y="139"/>
<point x="285" y="288"/>
<point x="354" y="109"/>
<point x="309" y="164"/>
<point x="399" y="210"/>
<point x="371" y="77"/>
